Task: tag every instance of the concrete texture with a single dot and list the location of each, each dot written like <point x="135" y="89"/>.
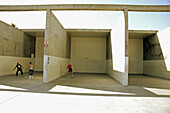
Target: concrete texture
<point x="135" y="56"/>
<point x="152" y="49"/>
<point x="54" y="67"/>
<point x="39" y="53"/>
<point x="141" y="33"/>
<point x="8" y="63"/>
<point x="58" y="49"/>
<point x="103" y="7"/>
<point x="88" y="54"/>
<point x="125" y="14"/>
<point x="15" y="42"/>
<point x="92" y="93"/>
<point x="156" y="68"/>
<point x="108" y="48"/>
<point x="56" y="36"/>
<point x="95" y="33"/>
<point x="28" y="45"/>
<point x="35" y="32"/>
<point x="117" y="67"/>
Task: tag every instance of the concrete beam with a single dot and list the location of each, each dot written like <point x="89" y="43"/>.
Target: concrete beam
<point x="89" y="30"/>
<point x="141" y="33"/>
<point x="102" y="7"/>
<point x="35" y="32"/>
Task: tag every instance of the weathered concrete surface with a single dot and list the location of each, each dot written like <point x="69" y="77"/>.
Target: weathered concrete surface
<point x="86" y="93"/>
<point x="35" y="32"/>
<point x="152" y="49"/>
<point x="104" y="7"/>
<point x="57" y="38"/>
<point x="117" y="67"/>
<point x="95" y="33"/>
<point x="135" y="56"/>
<point x="39" y="53"/>
<point x="29" y="45"/>
<point x="141" y="33"/>
<point x="88" y="54"/>
<point x="126" y="32"/>
<point x="108" y="48"/>
<point x="57" y="54"/>
<point x="14" y="42"/>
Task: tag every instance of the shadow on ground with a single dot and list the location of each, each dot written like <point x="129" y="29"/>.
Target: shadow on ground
<point x="88" y="84"/>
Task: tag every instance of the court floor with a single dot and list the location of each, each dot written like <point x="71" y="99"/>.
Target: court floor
<point x="86" y="93"/>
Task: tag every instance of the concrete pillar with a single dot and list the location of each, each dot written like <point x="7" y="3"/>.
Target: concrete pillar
<point x="46" y="48"/>
<point x="126" y="45"/>
<point x="48" y="12"/>
<point x="118" y="65"/>
<point x="126" y="31"/>
<point x="56" y="51"/>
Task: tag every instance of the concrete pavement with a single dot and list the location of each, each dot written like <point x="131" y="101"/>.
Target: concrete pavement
<point x="86" y="93"/>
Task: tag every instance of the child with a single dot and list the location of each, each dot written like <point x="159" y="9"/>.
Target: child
<point x="31" y="70"/>
<point x="69" y="67"/>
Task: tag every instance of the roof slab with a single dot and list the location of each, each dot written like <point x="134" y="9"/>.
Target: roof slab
<point x="35" y="32"/>
<point x="141" y="33"/>
<point x="95" y="33"/>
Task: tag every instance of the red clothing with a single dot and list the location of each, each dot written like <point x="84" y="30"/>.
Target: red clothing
<point x="69" y="66"/>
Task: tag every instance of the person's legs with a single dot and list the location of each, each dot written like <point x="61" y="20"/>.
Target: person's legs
<point x="72" y="74"/>
<point x="30" y="74"/>
<point x="21" y="71"/>
<point x="68" y="74"/>
<point x="17" y="72"/>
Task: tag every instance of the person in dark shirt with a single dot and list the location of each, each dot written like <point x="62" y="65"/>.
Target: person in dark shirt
<point x="69" y="67"/>
<point x="19" y="68"/>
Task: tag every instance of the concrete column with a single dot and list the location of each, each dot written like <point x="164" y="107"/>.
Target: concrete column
<point x="126" y="31"/>
<point x="55" y="49"/>
<point x="126" y="46"/>
<point x="48" y="12"/>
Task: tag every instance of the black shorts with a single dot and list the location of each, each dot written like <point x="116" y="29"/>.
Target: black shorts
<point x="30" y="71"/>
<point x="70" y="70"/>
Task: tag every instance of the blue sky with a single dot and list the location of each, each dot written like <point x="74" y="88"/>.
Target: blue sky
<point x="88" y="19"/>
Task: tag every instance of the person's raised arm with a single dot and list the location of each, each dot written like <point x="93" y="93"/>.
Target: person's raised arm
<point x="28" y="67"/>
<point x="22" y="67"/>
<point x="14" y="68"/>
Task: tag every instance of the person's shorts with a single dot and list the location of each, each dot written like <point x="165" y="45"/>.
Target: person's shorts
<point x="30" y="71"/>
<point x="70" y="70"/>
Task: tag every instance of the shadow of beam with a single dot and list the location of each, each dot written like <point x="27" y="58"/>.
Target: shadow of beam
<point x="85" y="94"/>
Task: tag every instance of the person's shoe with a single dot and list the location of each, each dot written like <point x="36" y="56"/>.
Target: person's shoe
<point x="72" y="76"/>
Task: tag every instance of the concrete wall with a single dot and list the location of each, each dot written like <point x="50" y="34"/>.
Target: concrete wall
<point x="88" y="55"/>
<point x="117" y="67"/>
<point x="152" y="49"/>
<point x="135" y="56"/>
<point x="108" y="48"/>
<point x="15" y="46"/>
<point x="9" y="62"/>
<point x="57" y="53"/>
<point x="15" y="42"/>
<point x="161" y="66"/>
<point x="39" y="53"/>
<point x="156" y="68"/>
